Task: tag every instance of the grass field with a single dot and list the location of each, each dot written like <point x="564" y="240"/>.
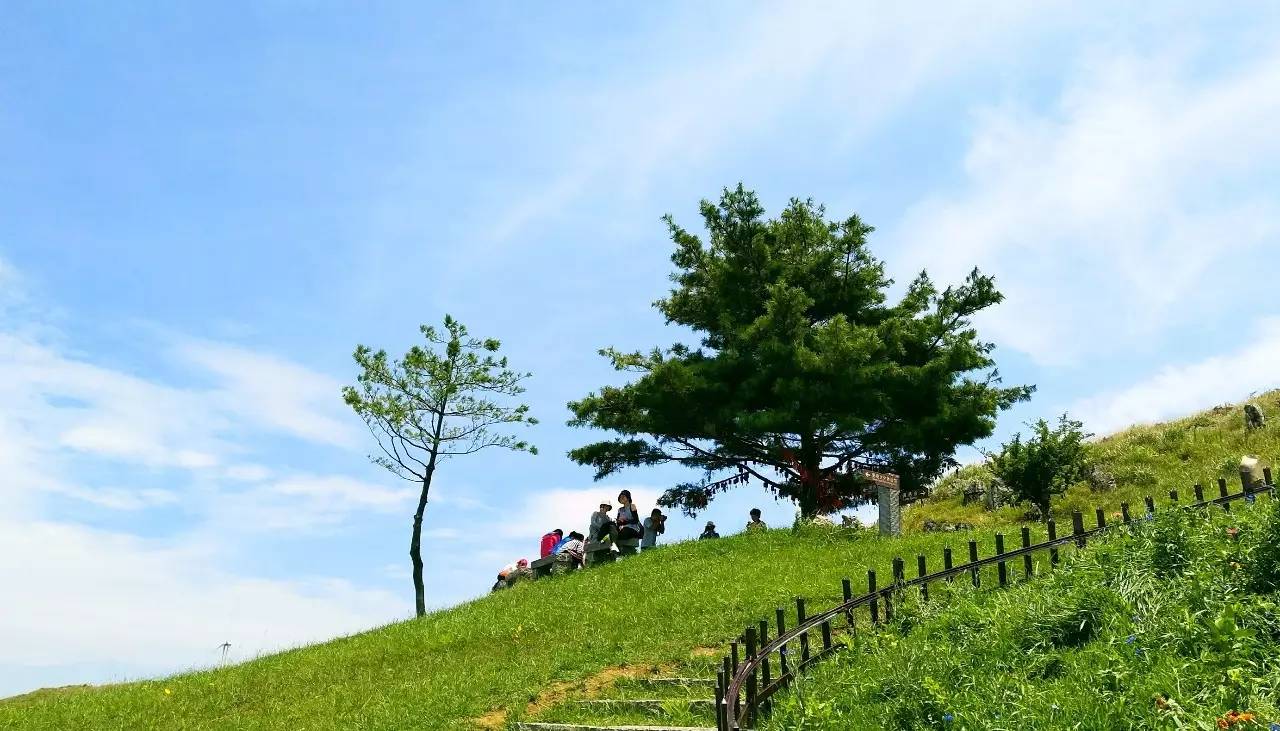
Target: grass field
<point x="493" y="657"/>
<point x="1173" y="626"/>
<point x="497" y="652"/>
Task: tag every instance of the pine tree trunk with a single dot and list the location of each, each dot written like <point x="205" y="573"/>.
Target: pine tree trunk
<point x="415" y="548"/>
<point x="810" y="479"/>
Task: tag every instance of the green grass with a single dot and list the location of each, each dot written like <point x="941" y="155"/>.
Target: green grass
<point x="502" y="651"/>
<point x="499" y="651"/>
<point x="1171" y="626"/>
<point x="1145" y="460"/>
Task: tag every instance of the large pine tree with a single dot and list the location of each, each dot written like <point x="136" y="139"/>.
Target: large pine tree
<point x="805" y="376"/>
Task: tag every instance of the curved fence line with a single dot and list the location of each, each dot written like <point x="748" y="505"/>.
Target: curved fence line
<point x="746" y="684"/>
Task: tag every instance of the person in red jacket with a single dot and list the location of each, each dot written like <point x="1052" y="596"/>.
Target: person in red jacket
<point x="549" y="542"/>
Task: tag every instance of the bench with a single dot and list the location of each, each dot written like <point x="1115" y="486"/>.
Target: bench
<point x="597" y="552"/>
<point x="542" y="567"/>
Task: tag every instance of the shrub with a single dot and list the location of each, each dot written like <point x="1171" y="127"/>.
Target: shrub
<point x="1046" y="464"/>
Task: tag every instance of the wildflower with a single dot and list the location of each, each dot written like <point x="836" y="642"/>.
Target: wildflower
<point x="948" y="717"/>
<point x="1139" y="652"/>
<point x="1130" y="639"/>
<point x="168" y="692"/>
<point x="1274" y="726"/>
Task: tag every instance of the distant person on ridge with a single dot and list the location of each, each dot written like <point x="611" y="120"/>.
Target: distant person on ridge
<point x="549" y="542"/>
<point x="654" y="526"/>
<point x="709" y="531"/>
<point x="755" y="523"/>
<point x="600" y="522"/>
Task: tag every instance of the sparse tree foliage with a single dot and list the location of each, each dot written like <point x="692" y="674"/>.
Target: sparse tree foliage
<point x="1046" y="464"/>
<point x="444" y="399"/>
<point x="805" y="375"/>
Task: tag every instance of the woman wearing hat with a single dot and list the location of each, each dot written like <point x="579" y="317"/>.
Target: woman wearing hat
<point x="709" y="531"/>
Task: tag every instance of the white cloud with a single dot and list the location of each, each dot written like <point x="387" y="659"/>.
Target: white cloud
<point x="1109" y="218"/>
<point x="1178" y="390"/>
<point x="862" y="60"/>
<point x="97" y="598"/>
<point x="274" y="392"/>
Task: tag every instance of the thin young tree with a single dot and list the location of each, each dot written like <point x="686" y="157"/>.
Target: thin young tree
<point x="447" y="398"/>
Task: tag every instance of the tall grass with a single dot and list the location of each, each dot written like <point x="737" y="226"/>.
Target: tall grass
<point x="1174" y="625"/>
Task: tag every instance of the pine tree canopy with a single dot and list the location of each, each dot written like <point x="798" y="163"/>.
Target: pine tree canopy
<point x="805" y="375"/>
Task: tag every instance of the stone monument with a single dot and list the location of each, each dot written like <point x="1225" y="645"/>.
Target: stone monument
<point x="889" y="498"/>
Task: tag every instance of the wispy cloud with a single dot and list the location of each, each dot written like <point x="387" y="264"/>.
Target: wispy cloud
<point x="1106" y="218"/>
<point x="1182" y="389"/>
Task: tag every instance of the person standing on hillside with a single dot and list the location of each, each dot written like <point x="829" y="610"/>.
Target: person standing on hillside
<point x="654" y="526"/>
<point x="755" y="523"/>
<point x="549" y="542"/>
<point x="709" y="531"/>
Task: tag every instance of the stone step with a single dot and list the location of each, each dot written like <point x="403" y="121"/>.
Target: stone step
<point x="686" y="682"/>
<point x="531" y="726"/>
<point x="648" y="705"/>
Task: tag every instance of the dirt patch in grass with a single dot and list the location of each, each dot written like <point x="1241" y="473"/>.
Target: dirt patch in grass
<point x="560" y="691"/>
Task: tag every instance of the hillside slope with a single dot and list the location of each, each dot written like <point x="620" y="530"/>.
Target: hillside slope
<point x="491" y="657"/>
<point x="1145" y="460"/>
<point x="1173" y="625"/>
<point x="496" y="652"/>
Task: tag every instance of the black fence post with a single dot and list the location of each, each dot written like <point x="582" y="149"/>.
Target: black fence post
<point x="733" y="656"/>
<point x="731" y="704"/>
<point x="1026" y="557"/>
<point x="804" y="636"/>
<point x="1124" y="513"/>
<point x="1266" y="480"/>
<point x="826" y="635"/>
<point x="1052" y="527"/>
<point x="1222" y="492"/>
<point x="898" y="576"/>
<point x="922" y="572"/>
<point x="871" y="589"/>
<point x="1100" y="516"/>
<point x="1199" y="491"/>
<point x="720" y="688"/>
<point x="1077" y="528"/>
<point x="1001" y="570"/>
<point x="1151" y="506"/>
<point x="782" y="650"/>
<point x="1173" y="496"/>
<point x="973" y="559"/>
<point x="765" y="675"/>
<point x="946" y="561"/>
<point x="751" y="679"/>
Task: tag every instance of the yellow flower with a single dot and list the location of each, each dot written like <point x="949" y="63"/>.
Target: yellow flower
<point x="168" y="692"/>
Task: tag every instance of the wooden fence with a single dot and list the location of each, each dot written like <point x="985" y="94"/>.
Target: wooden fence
<point x="757" y="667"/>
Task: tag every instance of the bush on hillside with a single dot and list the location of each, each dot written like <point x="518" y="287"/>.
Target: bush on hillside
<point x="1045" y="465"/>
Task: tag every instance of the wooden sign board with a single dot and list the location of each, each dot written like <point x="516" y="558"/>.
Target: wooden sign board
<point x="881" y="479"/>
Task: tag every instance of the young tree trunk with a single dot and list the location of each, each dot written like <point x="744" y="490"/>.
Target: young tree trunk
<point x="415" y="547"/>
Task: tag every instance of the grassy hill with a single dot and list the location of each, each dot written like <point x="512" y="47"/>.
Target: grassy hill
<point x="487" y="661"/>
<point x="1172" y="626"/>
<point x="497" y="652"/>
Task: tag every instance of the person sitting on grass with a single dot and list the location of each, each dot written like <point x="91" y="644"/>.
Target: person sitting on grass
<point x="600" y="522"/>
<point x="654" y="526"/>
<point x="755" y="523"/>
<point x="709" y="531"/>
<point x="511" y="573"/>
<point x="549" y="542"/>
<point x="571" y="551"/>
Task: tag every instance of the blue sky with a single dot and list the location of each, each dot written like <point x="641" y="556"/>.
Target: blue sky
<point x="202" y="211"/>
